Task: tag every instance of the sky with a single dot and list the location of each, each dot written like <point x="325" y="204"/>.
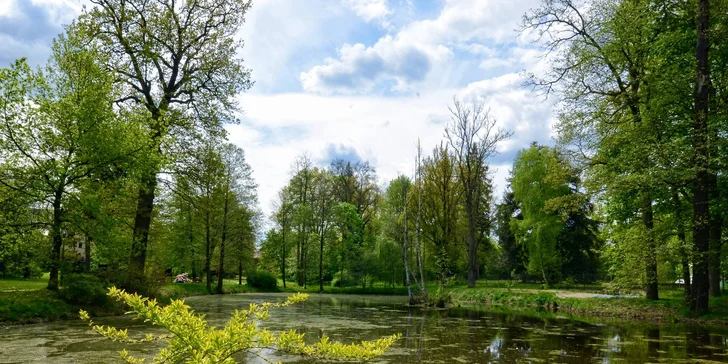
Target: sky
<point x="354" y="79"/>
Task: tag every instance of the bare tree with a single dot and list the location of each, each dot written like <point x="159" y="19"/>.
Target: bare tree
<point x="473" y="136"/>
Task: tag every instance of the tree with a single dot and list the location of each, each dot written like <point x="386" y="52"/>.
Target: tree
<point x="507" y="210"/>
<point x="206" y="171"/>
<point x="350" y="231"/>
<point x="418" y="231"/>
<point x="397" y="201"/>
<point x="537" y="183"/>
<point x="58" y="129"/>
<point x="701" y="185"/>
<point x="238" y="190"/>
<point x="601" y="73"/>
<point x="283" y="217"/>
<point x="177" y="61"/>
<point x="441" y="203"/>
<point x="300" y="187"/>
<point x="473" y="137"/>
<point x="323" y="200"/>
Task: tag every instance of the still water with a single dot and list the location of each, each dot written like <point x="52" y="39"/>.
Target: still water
<point x="456" y="335"/>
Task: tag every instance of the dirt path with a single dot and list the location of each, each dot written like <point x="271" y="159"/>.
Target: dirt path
<point x="567" y="294"/>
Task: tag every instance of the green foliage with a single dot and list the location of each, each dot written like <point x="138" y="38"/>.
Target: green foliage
<point x="262" y="280"/>
<point x="538" y="181"/>
<point x="191" y="340"/>
<point x="83" y="289"/>
<point x="32" y="306"/>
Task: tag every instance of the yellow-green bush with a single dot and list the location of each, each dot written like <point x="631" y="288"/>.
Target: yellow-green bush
<point x="191" y="340"/>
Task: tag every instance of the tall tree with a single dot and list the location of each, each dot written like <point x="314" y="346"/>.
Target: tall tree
<point x="397" y="201"/>
<point x="58" y="129"/>
<point x="418" y="230"/>
<point x="507" y="210"/>
<point x="441" y="202"/>
<point x="600" y="70"/>
<point x="473" y="137"/>
<point x="300" y="187"/>
<point x="701" y="185"/>
<point x="172" y="59"/>
<point x="538" y="182"/>
<point x="238" y="188"/>
<point x="323" y="200"/>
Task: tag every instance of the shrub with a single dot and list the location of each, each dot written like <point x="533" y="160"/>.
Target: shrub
<point x="262" y="280"/>
<point x="568" y="283"/>
<point x="241" y="334"/>
<point x="83" y="289"/>
<point x="337" y="281"/>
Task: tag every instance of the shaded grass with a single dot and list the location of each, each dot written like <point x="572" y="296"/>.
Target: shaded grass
<point x="23" y="284"/>
<point x="32" y="306"/>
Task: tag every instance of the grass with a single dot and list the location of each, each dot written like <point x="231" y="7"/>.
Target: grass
<point x="26" y="300"/>
<point x="669" y="308"/>
<point x="23" y="284"/>
<point x="180" y="290"/>
<point x="377" y="289"/>
<point x="32" y="306"/>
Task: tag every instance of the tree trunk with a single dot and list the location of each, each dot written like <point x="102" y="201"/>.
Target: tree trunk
<point x="305" y="268"/>
<point x="191" y="236"/>
<point x="221" y="271"/>
<point x="142" y="221"/>
<point x="651" y="289"/>
<point x="404" y="252"/>
<point x="683" y="249"/>
<point x="701" y="185"/>
<point x="472" y="250"/>
<point x="283" y="254"/>
<point x="208" y="248"/>
<point x="87" y="253"/>
<point x="321" y="259"/>
<point x="417" y="225"/>
<point x="299" y="253"/>
<point x="57" y="242"/>
<point x="716" y="227"/>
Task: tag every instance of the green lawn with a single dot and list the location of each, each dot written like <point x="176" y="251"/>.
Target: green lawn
<point x="378" y="288"/>
<point x="20" y="284"/>
<point x="180" y="290"/>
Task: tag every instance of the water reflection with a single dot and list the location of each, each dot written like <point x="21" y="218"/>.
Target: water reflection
<point x="466" y="335"/>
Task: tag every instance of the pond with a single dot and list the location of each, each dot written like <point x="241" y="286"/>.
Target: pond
<point x="466" y="335"/>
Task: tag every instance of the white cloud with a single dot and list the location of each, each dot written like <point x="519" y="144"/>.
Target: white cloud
<point x="380" y="129"/>
<point x="27" y="28"/>
<point x="359" y="68"/>
<point x="460" y="24"/>
<point x="369" y="10"/>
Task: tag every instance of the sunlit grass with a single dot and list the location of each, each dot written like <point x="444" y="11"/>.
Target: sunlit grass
<point x="23" y="284"/>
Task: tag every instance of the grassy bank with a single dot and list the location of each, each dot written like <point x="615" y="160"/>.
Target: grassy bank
<point x="176" y="291"/>
<point x="27" y="300"/>
<point x="24" y="301"/>
<point x="591" y="301"/>
<point x="377" y="289"/>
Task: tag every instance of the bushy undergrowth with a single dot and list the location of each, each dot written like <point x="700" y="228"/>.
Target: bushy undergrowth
<point x="83" y="289"/>
<point x="262" y="280"/>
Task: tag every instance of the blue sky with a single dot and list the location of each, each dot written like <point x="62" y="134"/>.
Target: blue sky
<point x="358" y="79"/>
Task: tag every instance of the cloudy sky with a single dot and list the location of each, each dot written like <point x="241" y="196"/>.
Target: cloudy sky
<point x="356" y="79"/>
